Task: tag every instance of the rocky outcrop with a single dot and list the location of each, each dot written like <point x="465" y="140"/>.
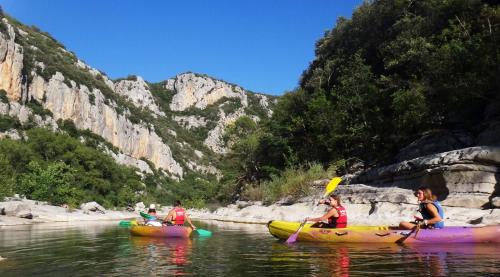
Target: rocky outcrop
<point x="11" y="64"/>
<point x="214" y="139"/>
<point x="436" y="142"/>
<point x="138" y="92"/>
<point x="73" y="103"/>
<point x="24" y="114"/>
<point x="191" y="121"/>
<point x="96" y="73"/>
<point x="201" y="91"/>
<point x="466" y="177"/>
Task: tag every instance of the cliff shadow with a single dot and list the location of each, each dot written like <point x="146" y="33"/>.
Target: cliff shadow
<point x="437" y="183"/>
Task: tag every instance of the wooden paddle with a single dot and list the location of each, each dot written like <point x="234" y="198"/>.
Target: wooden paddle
<point x="329" y="189"/>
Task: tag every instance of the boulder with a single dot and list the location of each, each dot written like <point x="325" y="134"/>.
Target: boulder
<point x="495" y="202"/>
<point x="92" y="207"/>
<point x="25" y="214"/>
<point x="12" y="208"/>
<point x="139" y="207"/>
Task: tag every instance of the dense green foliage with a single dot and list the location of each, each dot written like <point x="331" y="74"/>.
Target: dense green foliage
<point x="380" y="80"/>
<point x="60" y="169"/>
<point x="394" y="71"/>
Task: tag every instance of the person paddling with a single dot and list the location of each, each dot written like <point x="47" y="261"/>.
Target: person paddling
<point x="430" y="208"/>
<point x="336" y="217"/>
<point x="177" y="216"/>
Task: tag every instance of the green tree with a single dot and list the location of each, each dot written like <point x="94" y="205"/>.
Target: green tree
<point x="53" y="183"/>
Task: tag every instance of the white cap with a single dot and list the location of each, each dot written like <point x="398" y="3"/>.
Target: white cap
<point x="152" y="206"/>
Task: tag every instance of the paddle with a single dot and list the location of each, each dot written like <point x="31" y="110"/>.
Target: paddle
<point x="127" y="223"/>
<point x="329" y="189"/>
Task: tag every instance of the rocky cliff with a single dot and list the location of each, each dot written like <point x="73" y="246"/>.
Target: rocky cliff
<point x="126" y="113"/>
<point x="466" y="177"/>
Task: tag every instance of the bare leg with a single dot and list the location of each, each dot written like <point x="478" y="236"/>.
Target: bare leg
<point x="406" y="225"/>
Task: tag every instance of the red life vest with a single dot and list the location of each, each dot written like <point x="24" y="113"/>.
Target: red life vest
<point x="179" y="216"/>
<point x="341" y="221"/>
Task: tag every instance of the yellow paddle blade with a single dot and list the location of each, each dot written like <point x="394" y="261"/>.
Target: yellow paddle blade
<point x="332" y="185"/>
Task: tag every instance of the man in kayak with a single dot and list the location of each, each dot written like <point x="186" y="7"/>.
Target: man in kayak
<point x="336" y="217"/>
<point x="177" y="216"/>
<point x="430" y="208"/>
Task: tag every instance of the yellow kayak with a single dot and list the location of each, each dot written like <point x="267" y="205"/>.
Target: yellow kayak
<point x="284" y="229"/>
<point x="386" y="234"/>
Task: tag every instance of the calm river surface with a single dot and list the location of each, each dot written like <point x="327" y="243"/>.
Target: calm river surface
<point x="234" y="250"/>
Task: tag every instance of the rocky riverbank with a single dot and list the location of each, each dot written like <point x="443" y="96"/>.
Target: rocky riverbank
<point x="22" y="211"/>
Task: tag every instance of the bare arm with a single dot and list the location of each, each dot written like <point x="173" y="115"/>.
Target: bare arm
<point x="170" y="216"/>
<point x="330" y="213"/>
<point x="434" y="213"/>
<point x="189" y="221"/>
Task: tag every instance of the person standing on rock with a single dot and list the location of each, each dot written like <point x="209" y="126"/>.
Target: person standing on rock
<point x="336" y="217"/>
<point x="431" y="210"/>
<point x="177" y="216"/>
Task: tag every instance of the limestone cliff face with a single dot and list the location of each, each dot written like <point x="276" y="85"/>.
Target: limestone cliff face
<point x="466" y="177"/>
<point x="11" y="64"/>
<point x="214" y="138"/>
<point x="138" y="92"/>
<point x="201" y="91"/>
<point x="192" y="90"/>
<point x="73" y="103"/>
<point x="88" y="101"/>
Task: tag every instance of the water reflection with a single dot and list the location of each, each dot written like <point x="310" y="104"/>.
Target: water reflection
<point x="233" y="250"/>
<point x="163" y="256"/>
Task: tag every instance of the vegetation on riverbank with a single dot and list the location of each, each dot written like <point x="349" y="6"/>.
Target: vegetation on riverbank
<point x="380" y="80"/>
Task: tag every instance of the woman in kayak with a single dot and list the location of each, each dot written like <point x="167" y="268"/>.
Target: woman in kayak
<point x="336" y="217"/>
<point x="430" y="208"/>
<point x="178" y="215"/>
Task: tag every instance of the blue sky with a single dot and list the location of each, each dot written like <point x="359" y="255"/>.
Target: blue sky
<point x="261" y="45"/>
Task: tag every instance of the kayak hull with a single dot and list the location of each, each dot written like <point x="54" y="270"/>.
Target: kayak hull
<point x="385" y="234"/>
<point x="161" y="232"/>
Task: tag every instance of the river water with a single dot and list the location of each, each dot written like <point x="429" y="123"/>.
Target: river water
<point x="92" y="249"/>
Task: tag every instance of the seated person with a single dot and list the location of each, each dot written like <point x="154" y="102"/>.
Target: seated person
<point x="430" y="208"/>
<point x="153" y="220"/>
<point x="336" y="217"/>
<point x="177" y="216"/>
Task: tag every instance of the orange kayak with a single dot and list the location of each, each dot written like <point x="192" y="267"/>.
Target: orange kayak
<point x="161" y="232"/>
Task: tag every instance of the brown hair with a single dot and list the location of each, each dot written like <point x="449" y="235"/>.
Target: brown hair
<point x="337" y="198"/>
<point x="177" y="203"/>
<point x="428" y="195"/>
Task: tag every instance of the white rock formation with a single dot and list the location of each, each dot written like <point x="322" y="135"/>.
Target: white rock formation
<point x="138" y="92"/>
<point x="214" y="138"/>
<point x="23" y="114"/>
<point x="11" y="64"/>
<point x="73" y="103"/>
<point x="200" y="91"/>
<point x="461" y="178"/>
<point x="94" y="72"/>
<point x="191" y="121"/>
<point x="121" y="158"/>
